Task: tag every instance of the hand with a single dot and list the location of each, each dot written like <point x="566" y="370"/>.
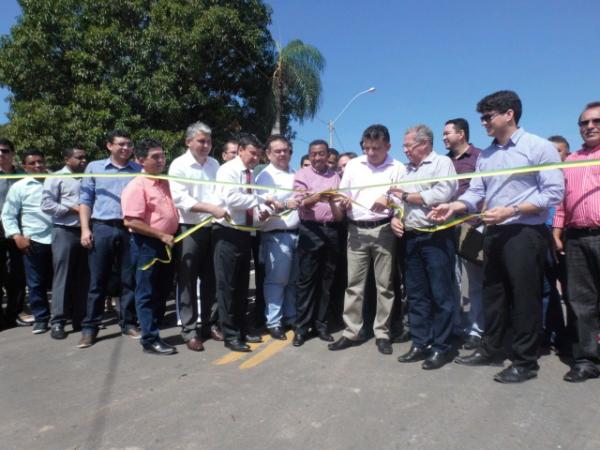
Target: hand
<point x="168" y="239"/>
<point x="278" y="205"/>
<point x="497" y="215"/>
<point x="558" y="244"/>
<point x="219" y="213"/>
<point x="263" y="215"/>
<point x="346" y="203"/>
<point x="292" y="203"/>
<point x="87" y="239"/>
<point x="440" y="213"/>
<point x="23" y="243"/>
<point x="74" y="209"/>
<point x="310" y="200"/>
<point x="380" y="205"/>
<point x="396" y="191"/>
<point x="397" y="227"/>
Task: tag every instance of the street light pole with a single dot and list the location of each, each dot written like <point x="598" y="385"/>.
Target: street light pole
<point x="331" y="123"/>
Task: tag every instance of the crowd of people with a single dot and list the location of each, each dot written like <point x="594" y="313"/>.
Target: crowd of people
<point x="361" y="241"/>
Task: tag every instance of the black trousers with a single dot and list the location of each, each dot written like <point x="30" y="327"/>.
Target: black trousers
<point x="318" y="249"/>
<point x="583" y="284"/>
<point x="194" y="259"/>
<point x="233" y="249"/>
<point x="512" y="289"/>
<point x="12" y="279"/>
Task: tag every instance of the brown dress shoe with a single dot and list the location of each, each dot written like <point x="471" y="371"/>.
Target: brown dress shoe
<point x="195" y="345"/>
<point x="216" y="333"/>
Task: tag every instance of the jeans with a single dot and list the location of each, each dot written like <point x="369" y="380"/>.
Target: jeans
<point x="12" y="278"/>
<point x="278" y="254"/>
<point x="111" y="242"/>
<point x="151" y="285"/>
<point x="38" y="275"/>
<point x="431" y="288"/>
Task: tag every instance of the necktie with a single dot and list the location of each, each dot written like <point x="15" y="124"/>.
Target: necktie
<point x="249" y="212"/>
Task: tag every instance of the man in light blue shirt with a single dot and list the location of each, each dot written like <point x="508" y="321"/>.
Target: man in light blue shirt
<point x="105" y="235"/>
<point x="31" y="230"/>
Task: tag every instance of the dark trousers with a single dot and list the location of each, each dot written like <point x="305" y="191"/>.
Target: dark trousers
<point x="513" y="275"/>
<point x="318" y="249"/>
<point x="111" y="242"/>
<point x="71" y="275"/>
<point x="194" y="258"/>
<point x="583" y="283"/>
<point x="38" y="275"/>
<point x="12" y="279"/>
<point x="431" y="287"/>
<point x="152" y="285"/>
<point x="233" y="249"/>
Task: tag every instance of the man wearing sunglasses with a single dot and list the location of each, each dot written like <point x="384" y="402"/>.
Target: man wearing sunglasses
<point x="515" y="242"/>
<point x="579" y="215"/>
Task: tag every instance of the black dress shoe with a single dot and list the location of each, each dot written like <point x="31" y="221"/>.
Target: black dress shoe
<point x="299" y="340"/>
<point x="237" y="346"/>
<point x="515" y="374"/>
<point x="325" y="336"/>
<point x="414" y="354"/>
<point x="472" y="342"/>
<point x="277" y="333"/>
<point x="478" y="358"/>
<point x="58" y="331"/>
<point x="435" y="360"/>
<point x="252" y="338"/>
<point x="402" y="337"/>
<point x="342" y="343"/>
<point x="580" y="373"/>
<point x="384" y="346"/>
<point x="159" y="347"/>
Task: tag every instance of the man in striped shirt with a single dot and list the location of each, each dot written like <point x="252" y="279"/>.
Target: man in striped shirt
<point x="579" y="214"/>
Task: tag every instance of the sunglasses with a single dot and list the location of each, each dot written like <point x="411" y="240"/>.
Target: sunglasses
<point x="488" y="117"/>
<point x="585" y="123"/>
<point x="4" y="150"/>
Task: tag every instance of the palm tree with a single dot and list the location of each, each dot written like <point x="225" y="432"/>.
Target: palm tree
<point x="296" y="82"/>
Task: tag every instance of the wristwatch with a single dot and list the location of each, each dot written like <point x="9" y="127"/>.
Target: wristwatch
<point x="405" y="196"/>
<point x="516" y="210"/>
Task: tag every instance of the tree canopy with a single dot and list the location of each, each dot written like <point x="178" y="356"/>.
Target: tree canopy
<point x="79" y="68"/>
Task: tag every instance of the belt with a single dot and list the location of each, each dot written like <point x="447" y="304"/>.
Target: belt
<point x="590" y="231"/>
<point x="112" y="222"/>
<point x="370" y="223"/>
<point x="308" y="223"/>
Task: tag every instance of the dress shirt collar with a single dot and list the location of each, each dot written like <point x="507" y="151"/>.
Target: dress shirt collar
<point x="32" y="180"/>
<point x="512" y="141"/>
<point x="109" y="162"/>
<point x="190" y="159"/>
<point x="585" y="149"/>
<point x="464" y="154"/>
<point x="389" y="161"/>
<point x="327" y="172"/>
<point x="427" y="160"/>
<point x="238" y="164"/>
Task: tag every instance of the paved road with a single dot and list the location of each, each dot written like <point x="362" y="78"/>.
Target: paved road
<point x="55" y="396"/>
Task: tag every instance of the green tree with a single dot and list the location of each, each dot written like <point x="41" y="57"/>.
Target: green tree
<point x="296" y="84"/>
<point x="76" y="69"/>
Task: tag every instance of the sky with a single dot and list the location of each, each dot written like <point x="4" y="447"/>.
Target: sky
<point x="433" y="60"/>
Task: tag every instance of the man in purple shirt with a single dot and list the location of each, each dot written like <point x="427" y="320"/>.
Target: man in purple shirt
<point x="318" y="244"/>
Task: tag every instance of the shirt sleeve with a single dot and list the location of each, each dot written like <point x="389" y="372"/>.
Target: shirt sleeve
<point x="51" y="198"/>
<point x="87" y="193"/>
<point x="180" y="191"/>
<point x="441" y="191"/>
<point x="551" y="184"/>
<point x="133" y="201"/>
<point x="475" y="194"/>
<point x="11" y="212"/>
<point x="300" y="185"/>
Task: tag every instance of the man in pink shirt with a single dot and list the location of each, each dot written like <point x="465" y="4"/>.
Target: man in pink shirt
<point x="579" y="214"/>
<point x="152" y="218"/>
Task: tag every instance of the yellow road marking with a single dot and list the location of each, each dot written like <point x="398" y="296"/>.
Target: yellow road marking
<point x="271" y="349"/>
<point x="234" y="356"/>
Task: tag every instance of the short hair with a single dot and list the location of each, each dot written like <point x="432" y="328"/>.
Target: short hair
<point x="589" y="106"/>
<point x="422" y="133"/>
<point x="558" y="139"/>
<point x="68" y="152"/>
<point x="143" y="147"/>
<point x="460" y="124"/>
<point x="278" y="137"/>
<point x="247" y="139"/>
<point x="501" y="101"/>
<point x="195" y="128"/>
<point x="111" y="135"/>
<point x="304" y="158"/>
<point x="31" y="152"/>
<point x="350" y="155"/>
<point x="229" y="141"/>
<point x="8" y="143"/>
<point x="333" y="151"/>
<point x="375" y="133"/>
<point x="319" y="142"/>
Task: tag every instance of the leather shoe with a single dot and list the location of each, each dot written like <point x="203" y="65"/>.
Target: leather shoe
<point x="384" y="346"/>
<point x="325" y="336"/>
<point x="414" y="354"/>
<point x="342" y="344"/>
<point x="216" y="333"/>
<point x="87" y="340"/>
<point x="515" y="374"/>
<point x="435" y="361"/>
<point x="237" y="346"/>
<point x="580" y="373"/>
<point x="299" y="340"/>
<point x="194" y="344"/>
<point x="132" y="332"/>
<point x="472" y="342"/>
<point x="277" y="333"/>
<point x="252" y="338"/>
<point x="477" y="358"/>
<point x="58" y="331"/>
<point x="404" y="336"/>
<point x="159" y="347"/>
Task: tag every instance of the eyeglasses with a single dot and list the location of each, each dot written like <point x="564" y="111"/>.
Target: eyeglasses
<point x="585" y="123"/>
<point x="488" y="117"/>
<point x="4" y="150"/>
<point x="124" y="144"/>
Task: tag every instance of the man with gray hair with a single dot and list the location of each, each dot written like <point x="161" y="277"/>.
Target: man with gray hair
<point x="194" y="259"/>
<point x="430" y="256"/>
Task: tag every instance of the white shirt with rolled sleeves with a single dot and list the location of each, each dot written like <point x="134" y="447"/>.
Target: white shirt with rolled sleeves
<point x="186" y="195"/>
<point x="272" y="176"/>
<point x="359" y="172"/>
<point x="434" y="165"/>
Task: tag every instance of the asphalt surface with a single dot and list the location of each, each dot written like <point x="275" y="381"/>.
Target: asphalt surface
<point x="55" y="396"/>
